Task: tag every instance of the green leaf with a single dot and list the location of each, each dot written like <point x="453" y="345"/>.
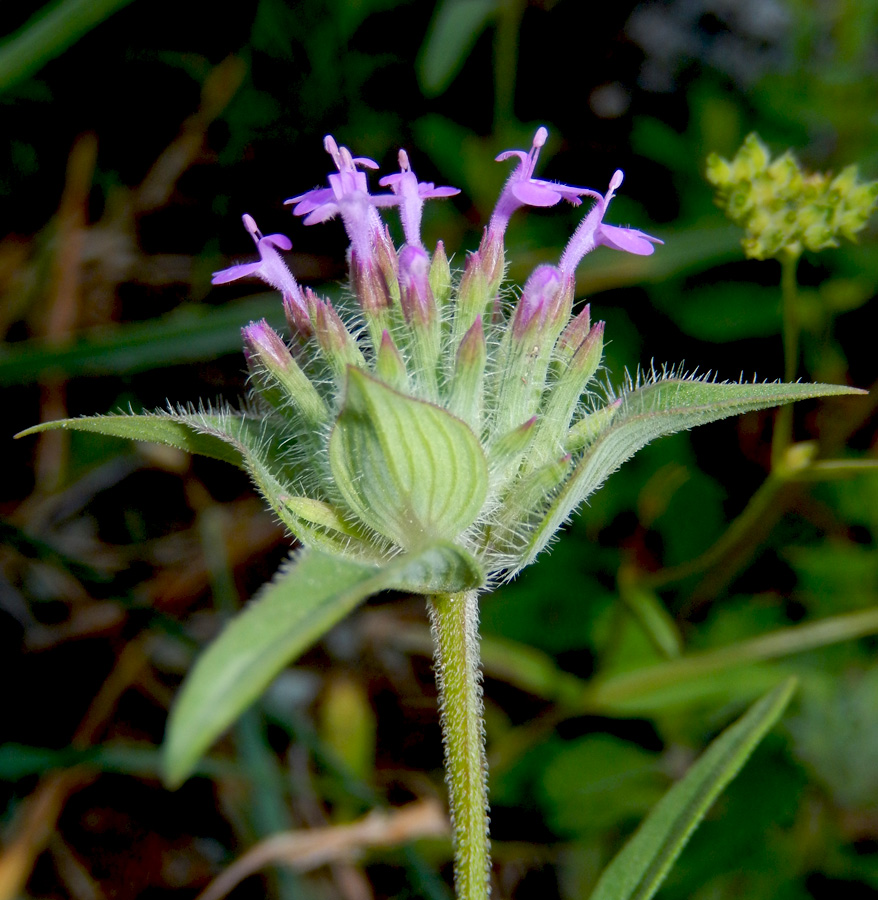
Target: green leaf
<point x="656" y="409"/>
<point x="175" y="431"/>
<point x="48" y="33"/>
<point x="455" y="28"/>
<point x="408" y="469"/>
<point x="194" y="331"/>
<point x="304" y="601"/>
<point x="639" y="868"/>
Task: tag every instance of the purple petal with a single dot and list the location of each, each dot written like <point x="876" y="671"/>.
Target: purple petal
<point x="441" y="192"/>
<point x="534" y="193"/>
<point x="508" y="154"/>
<point x="233" y="273"/>
<point x="322" y="213"/>
<point x="278" y="240"/>
<point x="628" y="239"/>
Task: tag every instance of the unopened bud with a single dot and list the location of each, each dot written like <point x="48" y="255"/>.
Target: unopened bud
<point x="505" y="456"/>
<point x="440" y="276"/>
<point x="371" y="290"/>
<point x="416" y="296"/>
<point x="465" y="399"/>
<point x="493" y="258"/>
<point x="473" y="298"/>
<point x="422" y="334"/>
<point x="573" y="335"/>
<point x="388" y="262"/>
<point x="529" y="495"/>
<point x="390" y="365"/>
<point x="297" y="318"/>
<point x="544" y="301"/>
<point x="272" y="364"/>
<point x="527" y="346"/>
<point x="338" y="345"/>
<point x="591" y="426"/>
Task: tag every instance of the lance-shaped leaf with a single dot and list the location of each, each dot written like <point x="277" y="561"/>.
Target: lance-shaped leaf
<point x="408" y="469"/>
<point x="662" y="407"/>
<point x="303" y="602"/>
<point x="173" y="430"/>
<point x="640" y="867"/>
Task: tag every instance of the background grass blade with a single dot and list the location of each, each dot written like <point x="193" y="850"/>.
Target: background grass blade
<point x="640" y="867"/>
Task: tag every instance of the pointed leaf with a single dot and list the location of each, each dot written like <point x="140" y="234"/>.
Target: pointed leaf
<point x="406" y="468"/>
<point x="174" y="431"/>
<point x="662" y="407"/>
<point x="453" y="32"/>
<point x="304" y="601"/>
<point x="643" y="863"/>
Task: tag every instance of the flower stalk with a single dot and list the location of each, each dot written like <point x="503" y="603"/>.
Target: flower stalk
<point x="455" y="621"/>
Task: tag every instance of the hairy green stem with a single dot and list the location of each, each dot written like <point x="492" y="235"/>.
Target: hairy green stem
<point x="455" y="620"/>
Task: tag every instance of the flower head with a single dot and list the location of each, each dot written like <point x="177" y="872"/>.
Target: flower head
<point x="593" y="232"/>
<point x="439" y="412"/>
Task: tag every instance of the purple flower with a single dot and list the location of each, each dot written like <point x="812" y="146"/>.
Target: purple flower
<point x="347" y="195"/>
<point x="593" y="232"/>
<point x="410" y="195"/>
<point x="270" y="267"/>
<point x="521" y="189"/>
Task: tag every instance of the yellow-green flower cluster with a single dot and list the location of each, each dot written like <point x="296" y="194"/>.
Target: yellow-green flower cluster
<point x="785" y="209"/>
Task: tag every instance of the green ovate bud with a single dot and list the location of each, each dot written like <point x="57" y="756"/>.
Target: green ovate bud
<point x="466" y="395"/>
<point x="440" y="275"/>
<point x="473" y="297"/>
<point x="406" y="468"/>
<point x="785" y="209"/>
<point x="390" y="365"/>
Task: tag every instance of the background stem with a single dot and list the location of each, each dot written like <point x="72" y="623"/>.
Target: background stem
<point x="455" y="620"/>
<point x="783" y="424"/>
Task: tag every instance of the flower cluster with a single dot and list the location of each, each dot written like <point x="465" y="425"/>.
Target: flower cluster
<point x="784" y="208"/>
<point x="431" y="411"/>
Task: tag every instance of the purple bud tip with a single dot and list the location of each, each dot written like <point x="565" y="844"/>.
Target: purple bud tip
<point x="413" y="263"/>
<point x="538" y="298"/>
<point x="266" y="343"/>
